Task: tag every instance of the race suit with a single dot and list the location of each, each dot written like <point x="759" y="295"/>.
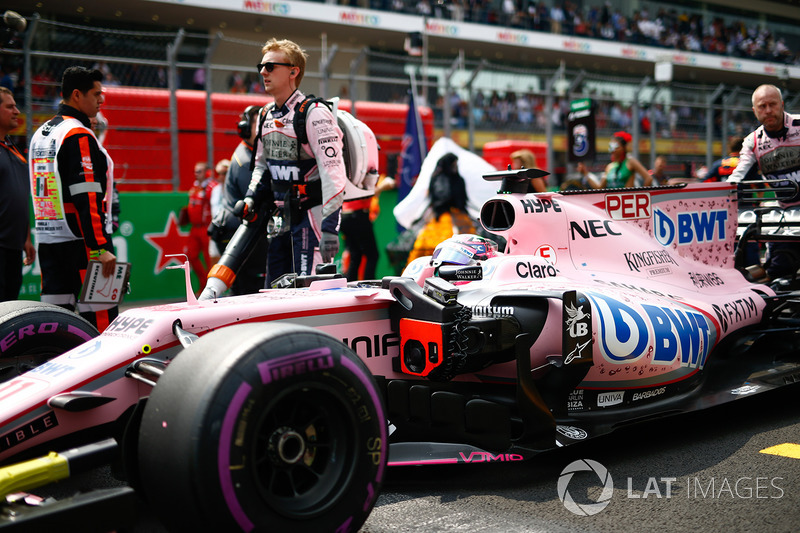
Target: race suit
<point x="778" y="157"/>
<point x="70" y="175"/>
<point x="305" y="182"/>
<point x="199" y="211"/>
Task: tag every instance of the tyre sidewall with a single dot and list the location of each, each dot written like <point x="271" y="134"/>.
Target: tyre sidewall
<point x="223" y="419"/>
<point x="27" y="327"/>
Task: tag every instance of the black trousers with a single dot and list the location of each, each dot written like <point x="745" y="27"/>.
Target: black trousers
<point x="63" y="271"/>
<point x="359" y="240"/>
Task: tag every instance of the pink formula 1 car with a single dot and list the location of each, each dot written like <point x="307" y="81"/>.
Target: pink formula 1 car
<point x="281" y="411"/>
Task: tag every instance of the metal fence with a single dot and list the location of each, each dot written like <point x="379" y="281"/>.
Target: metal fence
<point x="472" y="100"/>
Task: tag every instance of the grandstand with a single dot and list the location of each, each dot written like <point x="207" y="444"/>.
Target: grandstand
<point x="486" y="76"/>
<point x="478" y="63"/>
<point x="384" y="27"/>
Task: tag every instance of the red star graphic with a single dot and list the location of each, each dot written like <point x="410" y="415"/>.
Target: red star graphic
<point x="171" y="241"/>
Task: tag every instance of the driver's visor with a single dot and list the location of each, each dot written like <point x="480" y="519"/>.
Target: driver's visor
<point x="453" y="254"/>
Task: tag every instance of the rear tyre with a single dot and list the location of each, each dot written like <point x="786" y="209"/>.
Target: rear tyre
<point x="264" y="427"/>
<point x="32" y="333"/>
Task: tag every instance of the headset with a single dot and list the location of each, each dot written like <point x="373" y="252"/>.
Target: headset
<point x="243" y="127"/>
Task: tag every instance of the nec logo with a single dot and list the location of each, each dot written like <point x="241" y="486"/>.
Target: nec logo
<point x="592" y="229"/>
<point x="689" y="227"/>
<point x="628" y="206"/>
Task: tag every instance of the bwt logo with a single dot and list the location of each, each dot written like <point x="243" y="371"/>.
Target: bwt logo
<point x="689" y="227"/>
<point x="580" y="145"/>
<point x="663" y="334"/>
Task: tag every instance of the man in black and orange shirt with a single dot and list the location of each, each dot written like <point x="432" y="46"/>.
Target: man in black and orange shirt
<point x="721" y="169"/>
<point x="15" y="235"/>
<point x="70" y="173"/>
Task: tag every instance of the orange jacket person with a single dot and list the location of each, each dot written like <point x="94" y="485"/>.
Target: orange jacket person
<point x="70" y="174"/>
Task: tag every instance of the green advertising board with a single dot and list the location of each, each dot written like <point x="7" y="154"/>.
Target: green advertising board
<point x="149" y="233"/>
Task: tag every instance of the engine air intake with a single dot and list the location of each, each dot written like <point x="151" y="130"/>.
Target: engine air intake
<point x="497" y="215"/>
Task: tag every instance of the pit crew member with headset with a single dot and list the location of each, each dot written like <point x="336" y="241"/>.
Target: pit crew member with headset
<point x="250" y="277"/>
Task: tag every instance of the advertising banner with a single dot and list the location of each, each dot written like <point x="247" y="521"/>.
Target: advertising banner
<point x="581" y="140"/>
<point x="149" y="233"/>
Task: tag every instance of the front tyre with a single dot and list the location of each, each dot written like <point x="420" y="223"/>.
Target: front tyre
<point x="32" y="333"/>
<point x="264" y="427"/>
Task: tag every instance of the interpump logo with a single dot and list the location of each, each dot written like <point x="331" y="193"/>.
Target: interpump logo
<point x="585" y="509"/>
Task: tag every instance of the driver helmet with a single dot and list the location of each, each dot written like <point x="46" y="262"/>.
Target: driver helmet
<point x="464" y="249"/>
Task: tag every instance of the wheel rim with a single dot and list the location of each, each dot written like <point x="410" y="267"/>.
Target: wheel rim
<point x="304" y="445"/>
<point x="286" y="446"/>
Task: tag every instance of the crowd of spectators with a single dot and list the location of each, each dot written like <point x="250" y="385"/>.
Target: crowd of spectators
<point x="510" y="109"/>
<point x="665" y="28"/>
<point x="528" y="111"/>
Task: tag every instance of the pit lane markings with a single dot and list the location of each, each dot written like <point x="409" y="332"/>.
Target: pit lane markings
<point x="787" y="449"/>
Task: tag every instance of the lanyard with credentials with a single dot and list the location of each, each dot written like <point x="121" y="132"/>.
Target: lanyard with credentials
<point x="8" y="145"/>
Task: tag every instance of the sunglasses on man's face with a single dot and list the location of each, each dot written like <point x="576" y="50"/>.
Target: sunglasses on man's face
<point x="270" y="66"/>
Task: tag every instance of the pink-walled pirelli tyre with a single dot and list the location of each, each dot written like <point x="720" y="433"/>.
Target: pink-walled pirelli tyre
<point x="264" y="427"/>
<point x="32" y="333"/>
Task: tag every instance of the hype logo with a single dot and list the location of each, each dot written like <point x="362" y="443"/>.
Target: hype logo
<point x="689" y="227"/>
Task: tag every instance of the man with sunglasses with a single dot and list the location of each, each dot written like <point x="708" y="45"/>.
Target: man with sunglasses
<point x="306" y="182"/>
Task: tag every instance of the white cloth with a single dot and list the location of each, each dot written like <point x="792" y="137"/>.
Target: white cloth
<point x="472" y="167"/>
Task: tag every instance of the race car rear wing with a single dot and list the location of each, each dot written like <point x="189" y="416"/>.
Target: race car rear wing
<point x="515" y="181"/>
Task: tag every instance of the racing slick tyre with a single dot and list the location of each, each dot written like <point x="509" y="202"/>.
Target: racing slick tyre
<point x="264" y="427"/>
<point x="32" y="333"/>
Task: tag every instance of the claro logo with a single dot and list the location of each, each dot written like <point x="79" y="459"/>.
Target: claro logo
<point x="529" y="270"/>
